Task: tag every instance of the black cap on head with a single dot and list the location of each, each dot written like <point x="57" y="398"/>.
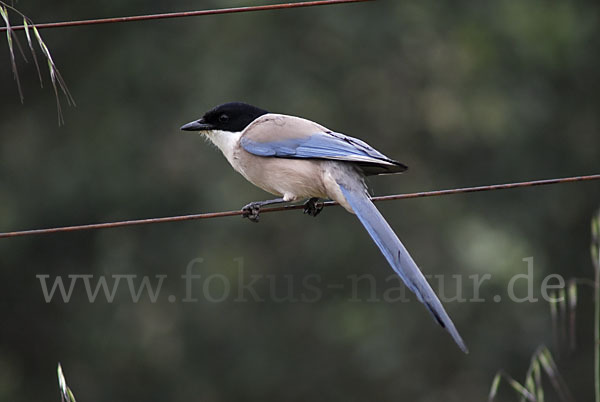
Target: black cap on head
<point x="232" y="116"/>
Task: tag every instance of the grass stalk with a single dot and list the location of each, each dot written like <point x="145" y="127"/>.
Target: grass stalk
<point x="595" y="248"/>
<point x="56" y="79"/>
<point x="66" y="395"/>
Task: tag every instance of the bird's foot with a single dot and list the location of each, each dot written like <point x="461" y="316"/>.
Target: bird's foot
<point x="252" y="211"/>
<point x="313" y="207"/>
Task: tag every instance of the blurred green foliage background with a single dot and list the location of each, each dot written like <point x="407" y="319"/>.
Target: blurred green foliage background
<point x="464" y="92"/>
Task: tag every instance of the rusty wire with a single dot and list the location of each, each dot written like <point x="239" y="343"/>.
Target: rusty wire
<point x="211" y="215"/>
<point x="231" y="10"/>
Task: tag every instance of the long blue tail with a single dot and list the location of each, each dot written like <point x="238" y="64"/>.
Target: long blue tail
<point x="398" y="257"/>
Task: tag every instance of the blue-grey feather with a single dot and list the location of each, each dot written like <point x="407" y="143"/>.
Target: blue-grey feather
<point x="398" y="257"/>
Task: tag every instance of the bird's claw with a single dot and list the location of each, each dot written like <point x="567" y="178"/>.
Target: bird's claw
<point x="313" y="207"/>
<point x="252" y="212"/>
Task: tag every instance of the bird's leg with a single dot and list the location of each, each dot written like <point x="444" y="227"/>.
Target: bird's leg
<point x="313" y="207"/>
<point x="252" y="210"/>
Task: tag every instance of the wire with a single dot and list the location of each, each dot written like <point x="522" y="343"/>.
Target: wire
<point x="292" y="207"/>
<point x="186" y="14"/>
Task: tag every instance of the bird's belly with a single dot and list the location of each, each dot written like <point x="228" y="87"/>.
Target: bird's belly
<point x="292" y="179"/>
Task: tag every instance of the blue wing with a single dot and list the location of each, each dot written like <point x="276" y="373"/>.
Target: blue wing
<point x="326" y="145"/>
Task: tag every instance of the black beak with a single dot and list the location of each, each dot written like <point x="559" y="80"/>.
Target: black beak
<point x="198" y="125"/>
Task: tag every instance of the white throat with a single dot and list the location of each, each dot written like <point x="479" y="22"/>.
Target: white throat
<point x="226" y="141"/>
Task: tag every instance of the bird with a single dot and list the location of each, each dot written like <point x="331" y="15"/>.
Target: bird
<point x="297" y="159"/>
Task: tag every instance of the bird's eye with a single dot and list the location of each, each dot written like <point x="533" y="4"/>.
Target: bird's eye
<point x="223" y="118"/>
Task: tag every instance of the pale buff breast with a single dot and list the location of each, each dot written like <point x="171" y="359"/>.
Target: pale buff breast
<point x="293" y="179"/>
